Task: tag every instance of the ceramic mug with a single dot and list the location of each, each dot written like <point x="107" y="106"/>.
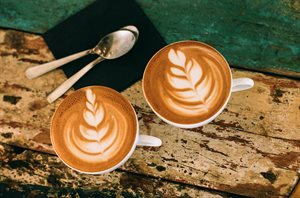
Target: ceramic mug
<point x="189" y="83"/>
<point x="95" y="130"/>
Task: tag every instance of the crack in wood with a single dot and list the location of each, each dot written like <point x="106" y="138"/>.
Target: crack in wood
<point x="7" y="85"/>
<point x="11" y="99"/>
<point x="29" y="60"/>
<point x="206" y="146"/>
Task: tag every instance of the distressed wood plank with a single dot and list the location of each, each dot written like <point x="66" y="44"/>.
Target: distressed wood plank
<point x="227" y="160"/>
<point x="29" y="173"/>
<point x="271" y="108"/>
<point x="19" y="51"/>
<point x="242" y="151"/>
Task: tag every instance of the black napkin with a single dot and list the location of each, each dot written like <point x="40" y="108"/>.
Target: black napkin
<point x="83" y="31"/>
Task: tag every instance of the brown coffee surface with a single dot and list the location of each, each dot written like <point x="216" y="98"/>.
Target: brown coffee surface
<point x="93" y="129"/>
<point x="187" y="82"/>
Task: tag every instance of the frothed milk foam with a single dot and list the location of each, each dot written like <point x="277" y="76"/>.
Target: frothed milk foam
<point x="93" y="129"/>
<point x="187" y="82"/>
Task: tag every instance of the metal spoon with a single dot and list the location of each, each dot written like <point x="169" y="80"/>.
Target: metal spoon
<point x="39" y="70"/>
<point x="111" y="46"/>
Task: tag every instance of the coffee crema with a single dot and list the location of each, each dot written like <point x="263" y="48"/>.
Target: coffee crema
<point x="187" y="82"/>
<point x="93" y="129"/>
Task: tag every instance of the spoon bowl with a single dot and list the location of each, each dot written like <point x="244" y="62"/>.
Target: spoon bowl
<point x="115" y="44"/>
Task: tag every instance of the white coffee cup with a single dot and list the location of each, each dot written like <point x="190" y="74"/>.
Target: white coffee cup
<point x="238" y="84"/>
<point x="139" y="140"/>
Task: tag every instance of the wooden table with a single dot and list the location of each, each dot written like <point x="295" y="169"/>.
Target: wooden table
<point x="251" y="149"/>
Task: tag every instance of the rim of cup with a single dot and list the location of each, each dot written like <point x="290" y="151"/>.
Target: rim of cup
<point x="198" y="124"/>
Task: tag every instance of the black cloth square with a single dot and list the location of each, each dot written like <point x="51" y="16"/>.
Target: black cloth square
<point x="83" y="31"/>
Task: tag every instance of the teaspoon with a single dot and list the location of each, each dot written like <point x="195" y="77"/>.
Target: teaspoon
<point x="39" y="70"/>
<point x="111" y="46"/>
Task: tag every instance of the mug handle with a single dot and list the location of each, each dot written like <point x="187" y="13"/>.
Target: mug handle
<point x="147" y="140"/>
<point x="240" y="84"/>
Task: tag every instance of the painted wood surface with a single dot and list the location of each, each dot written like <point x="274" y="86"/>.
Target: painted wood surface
<point x="38" y="15"/>
<point x="251" y="149"/>
<point x="261" y="35"/>
<point x="30" y="174"/>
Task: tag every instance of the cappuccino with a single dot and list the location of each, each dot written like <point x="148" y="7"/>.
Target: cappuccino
<point x="94" y="129"/>
<point x="187" y="82"/>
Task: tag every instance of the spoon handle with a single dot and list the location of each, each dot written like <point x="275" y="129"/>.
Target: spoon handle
<point x="38" y="70"/>
<point x="65" y="86"/>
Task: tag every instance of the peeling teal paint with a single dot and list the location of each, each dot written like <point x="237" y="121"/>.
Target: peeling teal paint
<point x="256" y="34"/>
<point x="37" y="15"/>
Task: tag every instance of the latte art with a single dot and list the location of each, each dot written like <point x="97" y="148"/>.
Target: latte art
<point x="187" y="82"/>
<point x="96" y="138"/>
<point x="191" y="89"/>
<point x="94" y="129"/>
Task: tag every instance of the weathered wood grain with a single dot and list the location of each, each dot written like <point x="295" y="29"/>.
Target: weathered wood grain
<point x="227" y="159"/>
<point x="252" y="148"/>
<point x="31" y="174"/>
<point x="18" y="51"/>
<point x="271" y="108"/>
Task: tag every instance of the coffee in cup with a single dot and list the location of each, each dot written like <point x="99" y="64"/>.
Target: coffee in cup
<point x="95" y="130"/>
<point x="188" y="83"/>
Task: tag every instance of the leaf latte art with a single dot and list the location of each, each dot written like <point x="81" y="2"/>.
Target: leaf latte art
<point x="191" y="88"/>
<point x="93" y="129"/>
<point x="97" y="134"/>
<point x="187" y="82"/>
